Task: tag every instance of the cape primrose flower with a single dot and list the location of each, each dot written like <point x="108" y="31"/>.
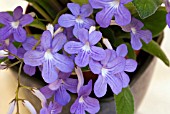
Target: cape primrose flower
<point x="78" y="19"/>
<point x="49" y="57"/>
<point x="14" y="24"/>
<point x="111" y="8"/>
<point x="84" y="102"/>
<point x="136" y="33"/>
<point x="85" y="49"/>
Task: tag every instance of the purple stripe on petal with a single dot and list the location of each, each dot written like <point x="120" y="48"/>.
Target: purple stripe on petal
<point x="19" y="34"/>
<point x="17" y="14"/>
<point x="135" y="42"/>
<point x="95" y="37"/>
<point x="92" y="105"/>
<point x="95" y="66"/>
<point x="73" y="47"/>
<point x="86" y="10"/>
<point x="82" y="59"/>
<point x="34" y="58"/>
<point x="100" y="86"/>
<point x="83" y="35"/>
<point x="62" y="96"/>
<point x="131" y="65"/>
<point x="115" y="84"/>
<point x="30" y="70"/>
<point x="122" y="50"/>
<point x="97" y="53"/>
<point x="49" y="72"/>
<point x="47" y="92"/>
<point x="74" y="8"/>
<point x="58" y="42"/>
<point x="5" y="32"/>
<point x="66" y="20"/>
<point x="46" y="40"/>
<point x="6" y="18"/>
<point x="124" y="78"/>
<point x="63" y="63"/>
<point x="71" y="85"/>
<point x="26" y="19"/>
<point x="145" y="35"/>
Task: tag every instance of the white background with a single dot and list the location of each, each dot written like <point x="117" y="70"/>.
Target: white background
<point x="156" y="101"/>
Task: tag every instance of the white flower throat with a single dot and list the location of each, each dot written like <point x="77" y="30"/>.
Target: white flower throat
<point x="81" y="100"/>
<point x="133" y="30"/>
<point x="79" y="19"/>
<point x="86" y="47"/>
<point x="104" y="72"/>
<point x="48" y="55"/>
<point x="115" y="3"/>
<point x="15" y="24"/>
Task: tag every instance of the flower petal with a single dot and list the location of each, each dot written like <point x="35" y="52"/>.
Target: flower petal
<point x="34" y="58"/>
<point x="19" y="34"/>
<point x="95" y="37"/>
<point x="124" y="78"/>
<point x="125" y="1"/>
<point x="88" y="23"/>
<point x="58" y="42"/>
<point x="95" y="66"/>
<point x="46" y="40"/>
<point x="100" y="86"/>
<point x="97" y="4"/>
<point x="5" y="32"/>
<point x="115" y="84"/>
<point x="83" y="35"/>
<point x="66" y="20"/>
<point x="122" y="15"/>
<point x="49" y="72"/>
<point x="77" y="108"/>
<point x="29" y="43"/>
<point x="11" y="48"/>
<point x="85" y="90"/>
<point x="86" y="10"/>
<point x="30" y="70"/>
<point x="97" y="53"/>
<point x="110" y="55"/>
<point x="63" y="63"/>
<point x="92" y="105"/>
<point x="71" y="85"/>
<point x="72" y="47"/>
<point x="135" y="42"/>
<point x="6" y="18"/>
<point x="122" y="50"/>
<point x="74" y="8"/>
<point x="145" y="35"/>
<point x="17" y="14"/>
<point x="104" y="17"/>
<point x="167" y="19"/>
<point x="26" y="19"/>
<point x="55" y="85"/>
<point x="82" y="59"/>
<point x="47" y="92"/>
<point x="62" y="96"/>
<point x="131" y="65"/>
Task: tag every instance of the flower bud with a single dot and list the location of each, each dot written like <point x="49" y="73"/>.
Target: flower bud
<point x="29" y="106"/>
<point x="59" y="30"/>
<point x="92" y="28"/>
<point x="107" y="43"/>
<point x="32" y="14"/>
<point x="3" y="53"/>
<point x="11" y="107"/>
<point x="50" y="27"/>
<point x="80" y="78"/>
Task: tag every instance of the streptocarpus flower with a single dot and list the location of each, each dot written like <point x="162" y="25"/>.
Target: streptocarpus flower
<point x="136" y="33"/>
<point x="14" y="24"/>
<point x="52" y="108"/>
<point x="59" y="89"/>
<point x="84" y="102"/>
<point x="78" y="19"/>
<point x="111" y="8"/>
<point x="49" y="57"/>
<point x="85" y="49"/>
<point x="168" y="10"/>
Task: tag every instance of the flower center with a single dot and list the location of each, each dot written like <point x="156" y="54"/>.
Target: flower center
<point x="81" y="100"/>
<point x="15" y="24"/>
<point x="86" y="47"/>
<point x="48" y="55"/>
<point x="133" y="30"/>
<point x="79" y="19"/>
<point x="115" y="3"/>
<point x="104" y="72"/>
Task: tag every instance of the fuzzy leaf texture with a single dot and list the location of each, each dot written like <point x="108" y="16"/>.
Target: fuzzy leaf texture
<point x="154" y="49"/>
<point x="124" y="102"/>
<point x="146" y="8"/>
<point x="81" y="2"/>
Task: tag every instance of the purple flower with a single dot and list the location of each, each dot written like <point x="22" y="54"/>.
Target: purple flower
<point x="136" y="33"/>
<point x="14" y="24"/>
<point x="85" y="49"/>
<point x="84" y="102"/>
<point x="111" y="8"/>
<point x="49" y="57"/>
<point x="59" y="89"/>
<point x="111" y="71"/>
<point x="78" y="19"/>
<point x="52" y="108"/>
<point x="168" y="10"/>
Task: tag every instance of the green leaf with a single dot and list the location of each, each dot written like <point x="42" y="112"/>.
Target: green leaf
<point x="131" y="53"/>
<point x="154" y="23"/>
<point x="37" y="24"/>
<point x="154" y="49"/>
<point x="146" y="8"/>
<point x="81" y="2"/>
<point x="124" y="102"/>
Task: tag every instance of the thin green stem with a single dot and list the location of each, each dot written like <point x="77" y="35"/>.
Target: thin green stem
<point x="39" y="41"/>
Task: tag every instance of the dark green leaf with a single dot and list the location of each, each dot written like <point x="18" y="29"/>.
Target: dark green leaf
<point x="131" y="53"/>
<point x="81" y="2"/>
<point x="124" y="102"/>
<point x="154" y="49"/>
<point x="17" y="44"/>
<point x="37" y="24"/>
<point x="146" y="8"/>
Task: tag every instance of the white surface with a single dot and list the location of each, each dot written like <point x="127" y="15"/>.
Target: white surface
<point x="157" y="99"/>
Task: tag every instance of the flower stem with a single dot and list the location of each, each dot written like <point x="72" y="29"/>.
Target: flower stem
<point x="39" y="41"/>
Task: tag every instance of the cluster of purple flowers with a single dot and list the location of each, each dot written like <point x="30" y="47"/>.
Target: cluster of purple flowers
<point x="71" y="45"/>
